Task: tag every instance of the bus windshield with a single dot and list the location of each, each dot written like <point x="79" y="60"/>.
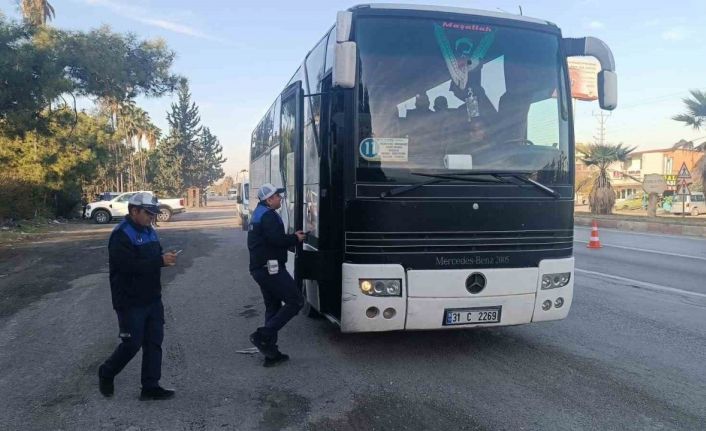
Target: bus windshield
<point x="439" y="95"/>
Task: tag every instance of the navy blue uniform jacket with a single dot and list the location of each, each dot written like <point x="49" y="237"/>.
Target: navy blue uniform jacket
<point x="266" y="238"/>
<point x="135" y="258"/>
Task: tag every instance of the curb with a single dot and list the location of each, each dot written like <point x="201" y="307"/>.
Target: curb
<point x="648" y="226"/>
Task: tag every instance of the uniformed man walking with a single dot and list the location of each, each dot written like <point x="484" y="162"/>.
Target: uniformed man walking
<point x="136" y="259"/>
<point x="268" y="244"/>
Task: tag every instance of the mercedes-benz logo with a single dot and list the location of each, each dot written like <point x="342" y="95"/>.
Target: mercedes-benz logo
<point x="475" y="282"/>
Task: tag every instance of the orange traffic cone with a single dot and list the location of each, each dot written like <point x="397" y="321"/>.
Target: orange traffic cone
<point x="594" y="242"/>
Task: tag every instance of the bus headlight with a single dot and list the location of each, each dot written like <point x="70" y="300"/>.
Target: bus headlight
<point x="378" y="287"/>
<point x="553" y="281"/>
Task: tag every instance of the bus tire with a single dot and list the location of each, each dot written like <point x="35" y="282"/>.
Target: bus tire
<point x="307" y="309"/>
<point x="244" y="222"/>
<point x="695" y="212"/>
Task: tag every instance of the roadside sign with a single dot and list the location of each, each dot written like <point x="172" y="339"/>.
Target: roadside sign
<point x="684" y="173"/>
<point x="654" y="183"/>
<point x="684" y="190"/>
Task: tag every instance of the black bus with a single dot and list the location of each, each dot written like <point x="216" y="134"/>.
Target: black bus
<point x="429" y="151"/>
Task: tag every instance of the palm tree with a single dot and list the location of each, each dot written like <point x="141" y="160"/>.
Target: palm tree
<point x="37" y="12"/>
<point x="602" y="197"/>
<point x="137" y="128"/>
<point x="695" y="116"/>
<point x="152" y="135"/>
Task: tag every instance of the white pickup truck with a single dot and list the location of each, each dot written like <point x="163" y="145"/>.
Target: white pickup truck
<point x="104" y="211"/>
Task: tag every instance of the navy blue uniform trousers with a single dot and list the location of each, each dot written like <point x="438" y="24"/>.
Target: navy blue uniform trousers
<point x="277" y="289"/>
<point x="141" y="327"/>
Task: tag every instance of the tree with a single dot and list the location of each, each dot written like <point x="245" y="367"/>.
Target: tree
<point x="136" y="126"/>
<point x="197" y="149"/>
<point x="32" y="77"/>
<point x="37" y="12"/>
<point x="44" y="173"/>
<point x="185" y="130"/>
<point x="167" y="167"/>
<point x="695" y="116"/>
<point x="225" y="185"/>
<point x="45" y="152"/>
<point x="211" y="160"/>
<point x="602" y="197"/>
<point x="116" y="67"/>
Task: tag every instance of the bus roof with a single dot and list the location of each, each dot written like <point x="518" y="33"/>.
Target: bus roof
<point x="455" y="10"/>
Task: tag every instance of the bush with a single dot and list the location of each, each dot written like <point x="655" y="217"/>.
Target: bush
<point x="21" y="200"/>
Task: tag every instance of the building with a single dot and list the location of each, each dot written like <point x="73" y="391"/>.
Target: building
<point x="626" y="178"/>
<point x="665" y="162"/>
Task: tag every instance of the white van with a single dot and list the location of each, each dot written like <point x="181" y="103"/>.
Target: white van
<point x="693" y="204"/>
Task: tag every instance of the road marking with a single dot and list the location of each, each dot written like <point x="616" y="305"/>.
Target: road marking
<point x="642" y="284"/>
<point x="645" y="250"/>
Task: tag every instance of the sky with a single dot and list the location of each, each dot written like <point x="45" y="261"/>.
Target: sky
<point x="238" y="55"/>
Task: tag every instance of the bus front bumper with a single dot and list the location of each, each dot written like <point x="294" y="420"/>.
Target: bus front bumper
<point x="427" y="296"/>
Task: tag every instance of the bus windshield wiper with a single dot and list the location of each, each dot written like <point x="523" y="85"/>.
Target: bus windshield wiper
<point x="435" y="179"/>
<point x="524" y="177"/>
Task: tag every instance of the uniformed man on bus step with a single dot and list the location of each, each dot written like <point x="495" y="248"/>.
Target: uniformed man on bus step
<point x="268" y="244"/>
<point x="136" y="262"/>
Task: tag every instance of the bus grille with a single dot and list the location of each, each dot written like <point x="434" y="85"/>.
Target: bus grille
<point x="457" y="242"/>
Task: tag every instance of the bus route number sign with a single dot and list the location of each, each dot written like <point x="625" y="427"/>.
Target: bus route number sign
<point x="394" y="150"/>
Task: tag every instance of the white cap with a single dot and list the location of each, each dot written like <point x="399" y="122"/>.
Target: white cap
<point x="267" y="190"/>
<point x="145" y="200"/>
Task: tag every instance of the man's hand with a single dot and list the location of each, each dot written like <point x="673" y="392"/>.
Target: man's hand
<point x="169" y="258"/>
<point x="300" y="235"/>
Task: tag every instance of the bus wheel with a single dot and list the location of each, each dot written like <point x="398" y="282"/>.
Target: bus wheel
<point x="307" y="309"/>
<point x="695" y="212"/>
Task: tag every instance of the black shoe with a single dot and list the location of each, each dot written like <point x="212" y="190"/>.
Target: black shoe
<point x="105" y="385"/>
<point x="158" y="393"/>
<point x="266" y="347"/>
<point x="271" y="362"/>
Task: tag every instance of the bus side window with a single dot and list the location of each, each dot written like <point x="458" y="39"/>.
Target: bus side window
<point x="330" y="47"/>
<point x="286" y="157"/>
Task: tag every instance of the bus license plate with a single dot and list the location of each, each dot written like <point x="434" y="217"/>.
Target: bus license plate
<point x="469" y="316"/>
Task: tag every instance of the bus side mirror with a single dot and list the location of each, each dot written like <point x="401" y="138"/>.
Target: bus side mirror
<point x="344" y="23"/>
<point x="607" y="78"/>
<point x="608" y="90"/>
<point x="344" y="66"/>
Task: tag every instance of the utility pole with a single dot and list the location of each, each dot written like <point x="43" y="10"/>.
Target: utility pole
<point x="602" y="119"/>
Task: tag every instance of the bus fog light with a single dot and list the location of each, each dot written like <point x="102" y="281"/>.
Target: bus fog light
<point x="546" y="305"/>
<point x="372" y="312"/>
<point x="559" y="302"/>
<point x="554" y="281"/>
<point x="381" y="287"/>
<point x="389" y="313"/>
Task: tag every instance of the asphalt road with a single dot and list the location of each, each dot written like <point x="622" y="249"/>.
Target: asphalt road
<point x="629" y="357"/>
